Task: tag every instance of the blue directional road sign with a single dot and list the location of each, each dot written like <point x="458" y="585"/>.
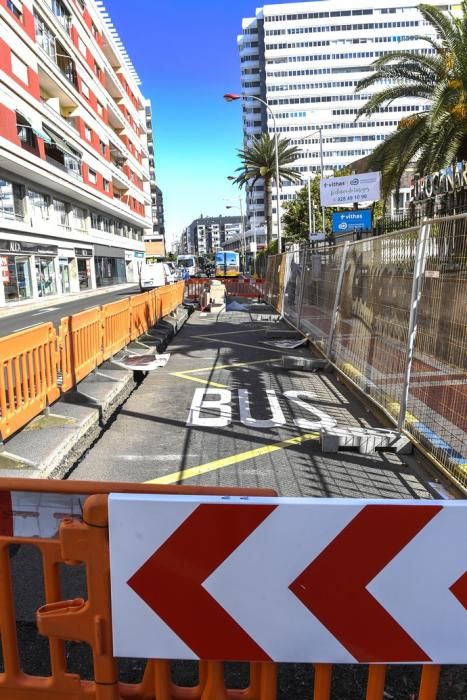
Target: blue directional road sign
<point x="353" y="220"/>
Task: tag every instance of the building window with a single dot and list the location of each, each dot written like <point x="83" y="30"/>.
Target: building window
<point x="19" y="68"/>
<point x="11" y="200"/>
<point x="61" y="213"/>
<point x="61" y="13"/>
<point x="45" y="37"/>
<point x="24" y="131"/>
<point x="103" y="147"/>
<point x="87" y="133"/>
<point x="79" y="219"/>
<point x="39" y="205"/>
<point x="95" y="221"/>
<point x="92" y="176"/>
<point x="106" y="185"/>
<point x="16" y="7"/>
<point x="100" y="109"/>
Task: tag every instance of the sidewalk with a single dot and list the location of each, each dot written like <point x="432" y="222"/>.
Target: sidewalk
<point x="19" y="307"/>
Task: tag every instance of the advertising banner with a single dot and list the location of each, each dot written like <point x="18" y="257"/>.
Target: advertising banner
<point x="354" y="220"/>
<point x="339" y="191"/>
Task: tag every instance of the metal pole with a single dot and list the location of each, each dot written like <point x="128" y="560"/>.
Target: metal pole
<point x="412" y="330"/>
<point x="302" y="288"/>
<point x="278" y="197"/>
<point x="335" y="310"/>
<point x="309" y="205"/>
<point x="322" y="173"/>
<point x="276" y="142"/>
<point x="242" y="225"/>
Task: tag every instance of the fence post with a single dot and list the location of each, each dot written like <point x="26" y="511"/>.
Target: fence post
<point x="302" y="287"/>
<point x="335" y="310"/>
<point x="412" y="330"/>
<point x="285" y="258"/>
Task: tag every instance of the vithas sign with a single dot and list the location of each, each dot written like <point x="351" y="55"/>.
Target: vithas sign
<point x="288" y="579"/>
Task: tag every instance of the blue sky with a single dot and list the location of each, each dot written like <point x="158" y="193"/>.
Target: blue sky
<point x="185" y="53"/>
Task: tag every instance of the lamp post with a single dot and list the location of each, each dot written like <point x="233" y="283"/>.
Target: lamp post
<point x="323" y="214"/>
<point x="231" y="97"/>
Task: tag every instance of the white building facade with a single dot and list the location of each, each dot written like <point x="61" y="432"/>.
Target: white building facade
<point x="74" y="173"/>
<point x="305" y="60"/>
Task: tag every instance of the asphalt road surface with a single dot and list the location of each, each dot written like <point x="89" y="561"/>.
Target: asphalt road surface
<point x="32" y="317"/>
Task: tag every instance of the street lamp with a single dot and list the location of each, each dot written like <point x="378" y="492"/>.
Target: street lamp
<point x="231" y="97"/>
<point x="307" y="136"/>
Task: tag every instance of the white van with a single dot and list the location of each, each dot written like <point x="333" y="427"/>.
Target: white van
<point x="154" y="274"/>
<point x="189" y="263"/>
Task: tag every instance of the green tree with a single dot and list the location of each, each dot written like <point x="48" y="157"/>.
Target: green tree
<point x="435" y="138"/>
<point x="259" y="162"/>
<point x="296" y="216"/>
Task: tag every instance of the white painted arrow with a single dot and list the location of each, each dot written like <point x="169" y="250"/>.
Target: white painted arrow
<point x="415" y="586"/>
<point x="253" y="583"/>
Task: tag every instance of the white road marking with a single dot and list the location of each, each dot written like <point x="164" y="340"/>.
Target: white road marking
<point x="153" y="458"/>
<point x="46" y="311"/>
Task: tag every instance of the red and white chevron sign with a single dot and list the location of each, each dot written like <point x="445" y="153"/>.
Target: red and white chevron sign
<point x="284" y="579"/>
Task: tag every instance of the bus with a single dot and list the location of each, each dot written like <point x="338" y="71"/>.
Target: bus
<point x="227" y="264"/>
<point x="189" y="263"/>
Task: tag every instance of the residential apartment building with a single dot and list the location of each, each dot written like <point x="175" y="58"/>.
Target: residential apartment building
<point x="208" y="234"/>
<point x="305" y="60"/>
<point x="154" y="241"/>
<point x="74" y="172"/>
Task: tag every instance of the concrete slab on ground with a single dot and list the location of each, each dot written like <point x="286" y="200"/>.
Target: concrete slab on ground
<point x="261" y="428"/>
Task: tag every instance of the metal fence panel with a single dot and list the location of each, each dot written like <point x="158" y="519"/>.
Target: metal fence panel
<point x="321" y="276"/>
<point x="370" y="340"/>
<point x="437" y="401"/>
<point x="391" y="313"/>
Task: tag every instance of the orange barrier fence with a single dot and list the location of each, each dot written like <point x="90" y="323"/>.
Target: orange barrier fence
<point x="116" y="327"/>
<point x="67" y="525"/>
<point x="39" y="363"/>
<point x="28" y="376"/>
<point x="235" y="286"/>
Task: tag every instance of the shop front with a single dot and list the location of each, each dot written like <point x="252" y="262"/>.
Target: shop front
<point x="27" y="270"/>
<point x="84" y="265"/>
<point x="110" y="265"/>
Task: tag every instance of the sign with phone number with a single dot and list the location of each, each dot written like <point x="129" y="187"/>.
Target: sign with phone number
<point x="339" y="191"/>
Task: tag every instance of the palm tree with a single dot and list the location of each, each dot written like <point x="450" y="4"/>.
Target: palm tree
<point x="259" y="162"/>
<point x="437" y="137"/>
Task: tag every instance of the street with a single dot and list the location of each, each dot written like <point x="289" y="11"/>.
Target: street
<point x="54" y="313"/>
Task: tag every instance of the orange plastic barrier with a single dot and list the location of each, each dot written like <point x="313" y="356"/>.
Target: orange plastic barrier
<point x="141" y="314"/>
<point x="235" y="286"/>
<point x="67" y="522"/>
<point x="38" y="363"/>
<point x="28" y="376"/>
<point x="80" y="341"/>
<point x="82" y="538"/>
<point x="116" y="327"/>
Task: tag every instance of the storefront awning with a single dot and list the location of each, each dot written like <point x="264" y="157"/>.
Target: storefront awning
<point x="60" y="143"/>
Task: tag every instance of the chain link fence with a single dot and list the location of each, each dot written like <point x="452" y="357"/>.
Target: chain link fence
<point x="391" y="313"/>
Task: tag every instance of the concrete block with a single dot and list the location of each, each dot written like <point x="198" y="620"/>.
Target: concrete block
<point x="303" y="364"/>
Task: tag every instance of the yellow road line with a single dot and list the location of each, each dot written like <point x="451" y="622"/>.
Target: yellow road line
<point x="232" y="364"/>
<point x="185" y="375"/>
<point x="175" y="477"/>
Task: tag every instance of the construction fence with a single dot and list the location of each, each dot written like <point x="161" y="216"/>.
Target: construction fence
<point x="60" y="531"/>
<point x="248" y="287"/>
<point x="390" y="313"/>
<point x="38" y="364"/>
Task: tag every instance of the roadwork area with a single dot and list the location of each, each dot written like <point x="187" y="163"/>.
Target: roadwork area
<point x="224" y="411"/>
